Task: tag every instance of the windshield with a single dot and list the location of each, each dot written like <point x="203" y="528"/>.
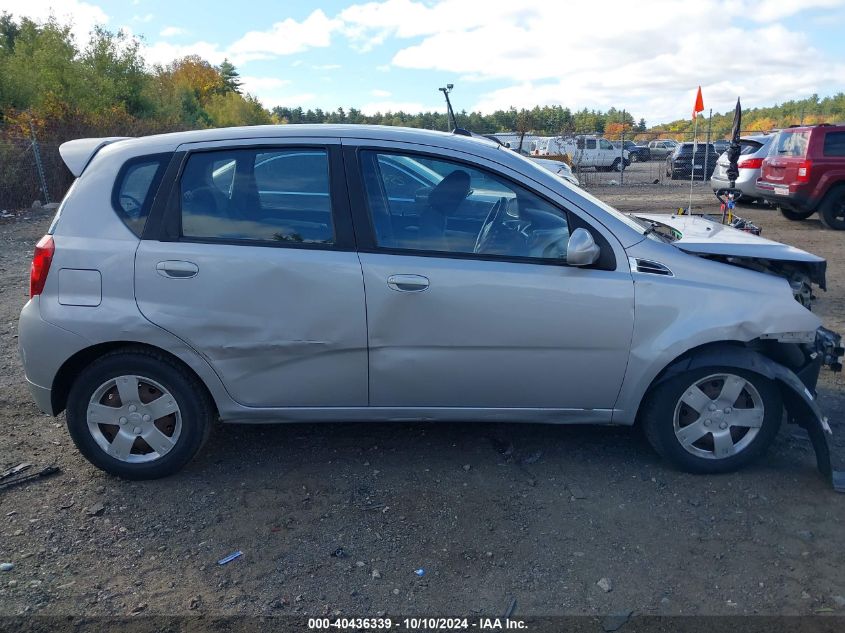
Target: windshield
<point x="533" y="167"/>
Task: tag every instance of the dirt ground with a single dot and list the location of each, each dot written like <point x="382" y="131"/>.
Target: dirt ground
<point x="492" y="513"/>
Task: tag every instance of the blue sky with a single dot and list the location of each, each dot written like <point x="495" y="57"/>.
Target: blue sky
<point x="647" y="57"/>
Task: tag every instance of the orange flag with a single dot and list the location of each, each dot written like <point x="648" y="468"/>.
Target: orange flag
<point x="699" y="104"/>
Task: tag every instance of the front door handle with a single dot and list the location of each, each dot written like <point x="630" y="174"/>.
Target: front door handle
<point x="407" y="283"/>
<point x="177" y="269"/>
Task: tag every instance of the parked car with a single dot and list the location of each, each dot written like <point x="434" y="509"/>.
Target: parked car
<point x="585" y="151"/>
<point x="558" y="167"/>
<point x="721" y="145"/>
<point x="661" y="148"/>
<point x="753" y="149"/>
<point x="680" y="163"/>
<point x="804" y="173"/>
<point x="637" y="153"/>
<point x="339" y="273"/>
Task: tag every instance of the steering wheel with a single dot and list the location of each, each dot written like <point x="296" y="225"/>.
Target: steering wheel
<point x="131" y="199"/>
<point x="494" y="217"/>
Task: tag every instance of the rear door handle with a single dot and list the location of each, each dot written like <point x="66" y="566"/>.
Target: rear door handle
<point x="407" y="283"/>
<point x="177" y="269"/>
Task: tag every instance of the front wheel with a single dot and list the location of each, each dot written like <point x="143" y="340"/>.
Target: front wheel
<point x="138" y="415"/>
<point x="712" y="419"/>
<point x="795" y="216"/>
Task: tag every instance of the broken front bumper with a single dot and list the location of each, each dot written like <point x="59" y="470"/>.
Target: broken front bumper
<point x="801" y="404"/>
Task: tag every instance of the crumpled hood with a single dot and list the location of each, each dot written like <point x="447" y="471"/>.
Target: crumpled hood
<point x="706" y="237"/>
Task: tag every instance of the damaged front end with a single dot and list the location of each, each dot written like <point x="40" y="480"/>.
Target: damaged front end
<point x="801" y="275"/>
<point x="796" y="366"/>
<point x="705" y="237"/>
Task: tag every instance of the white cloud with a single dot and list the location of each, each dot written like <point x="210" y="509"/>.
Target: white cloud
<point x="83" y="16"/>
<point x="147" y="17"/>
<point x="326" y="66"/>
<point x="285" y="38"/>
<point x="171" y="31"/>
<point x="381" y="93"/>
<point x="165" y="52"/>
<point x="647" y="57"/>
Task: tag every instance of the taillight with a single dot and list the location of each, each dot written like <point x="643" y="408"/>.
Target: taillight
<point x="750" y="163"/>
<point x="41" y="261"/>
<point x="803" y="171"/>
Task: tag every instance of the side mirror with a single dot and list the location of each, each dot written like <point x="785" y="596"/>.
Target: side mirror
<point x="582" y="249"/>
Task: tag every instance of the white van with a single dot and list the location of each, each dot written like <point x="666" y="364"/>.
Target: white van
<point x="585" y="151"/>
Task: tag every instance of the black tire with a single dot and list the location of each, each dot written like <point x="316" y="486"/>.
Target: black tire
<point x="196" y="411"/>
<point x="634" y="158"/>
<point x="658" y="411"/>
<point x="795" y="216"/>
<point x="832" y="209"/>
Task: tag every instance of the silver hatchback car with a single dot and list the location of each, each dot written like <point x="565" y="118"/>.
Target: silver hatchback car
<point x="349" y="273"/>
<point x="753" y="149"/>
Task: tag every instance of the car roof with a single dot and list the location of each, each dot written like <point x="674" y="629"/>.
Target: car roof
<point x="320" y="130"/>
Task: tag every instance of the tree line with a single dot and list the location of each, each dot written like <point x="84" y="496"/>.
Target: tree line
<point x="57" y="89"/>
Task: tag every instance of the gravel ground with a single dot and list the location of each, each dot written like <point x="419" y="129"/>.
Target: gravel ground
<point x="541" y="514"/>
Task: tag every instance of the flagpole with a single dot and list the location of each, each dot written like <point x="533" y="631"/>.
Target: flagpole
<point x="692" y="163"/>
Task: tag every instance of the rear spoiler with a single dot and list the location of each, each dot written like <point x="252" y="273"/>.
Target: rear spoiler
<point x="78" y="153"/>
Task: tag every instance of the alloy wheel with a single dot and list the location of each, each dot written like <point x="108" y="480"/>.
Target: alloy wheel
<point x="134" y="419"/>
<point x="718" y="416"/>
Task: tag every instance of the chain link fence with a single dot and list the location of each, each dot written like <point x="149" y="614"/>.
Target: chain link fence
<point x="634" y="158"/>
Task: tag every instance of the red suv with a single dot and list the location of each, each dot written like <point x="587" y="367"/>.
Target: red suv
<point x="804" y="173"/>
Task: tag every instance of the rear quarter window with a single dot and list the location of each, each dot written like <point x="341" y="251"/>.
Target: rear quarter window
<point x="135" y="189"/>
<point x="834" y="144"/>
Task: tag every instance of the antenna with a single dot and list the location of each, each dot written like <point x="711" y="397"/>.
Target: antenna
<point x="451" y="113"/>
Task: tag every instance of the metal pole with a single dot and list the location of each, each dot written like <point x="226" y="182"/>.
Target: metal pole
<point x="707" y="147"/>
<point x="692" y="164"/>
<point x="39" y="166"/>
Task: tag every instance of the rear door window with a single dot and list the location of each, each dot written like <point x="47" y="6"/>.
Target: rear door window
<point x="834" y="144"/>
<point x="279" y="195"/>
<point x="135" y="188"/>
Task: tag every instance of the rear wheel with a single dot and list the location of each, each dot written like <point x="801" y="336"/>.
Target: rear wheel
<point x="795" y="216"/>
<point x="832" y="209"/>
<point x="138" y="415"/>
<point x="712" y="419"/>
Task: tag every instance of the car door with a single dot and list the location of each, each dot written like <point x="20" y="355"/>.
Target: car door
<point x="608" y="152"/>
<point x="253" y="264"/>
<point x="465" y="318"/>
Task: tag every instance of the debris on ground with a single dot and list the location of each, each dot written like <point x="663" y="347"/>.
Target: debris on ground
<point x="420" y="572"/>
<point x="14" y="470"/>
<point x="376" y="574"/>
<point x="230" y="557"/>
<point x="339" y="553"/>
<point x="96" y="509"/>
<point x="511" y="608"/>
<point x="7" y="566"/>
<point x="16" y="479"/>
<point x="605" y="585"/>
